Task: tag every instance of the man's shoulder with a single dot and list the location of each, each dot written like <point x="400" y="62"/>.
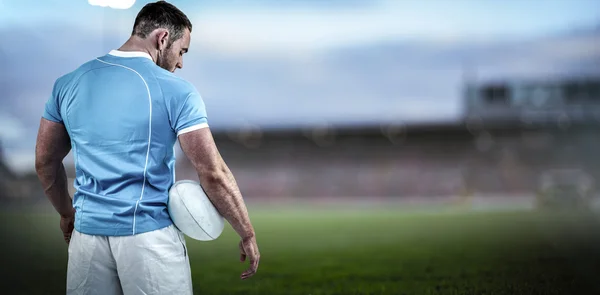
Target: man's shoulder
<point x="170" y="83"/>
<point x="72" y="76"/>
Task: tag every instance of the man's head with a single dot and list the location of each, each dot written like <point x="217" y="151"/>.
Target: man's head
<point x="167" y="29"/>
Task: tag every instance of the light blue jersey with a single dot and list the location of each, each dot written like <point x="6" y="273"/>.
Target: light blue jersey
<point x="123" y="114"/>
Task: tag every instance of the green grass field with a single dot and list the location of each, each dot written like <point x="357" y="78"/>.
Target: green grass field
<point x="369" y="251"/>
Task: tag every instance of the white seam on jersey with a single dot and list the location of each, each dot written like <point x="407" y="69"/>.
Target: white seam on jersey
<point x="192" y="128"/>
<point x="149" y="135"/>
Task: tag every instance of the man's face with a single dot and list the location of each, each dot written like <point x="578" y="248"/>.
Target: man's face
<point x="172" y="56"/>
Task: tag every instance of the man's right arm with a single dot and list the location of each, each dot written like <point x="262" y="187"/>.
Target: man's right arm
<point x="221" y="188"/>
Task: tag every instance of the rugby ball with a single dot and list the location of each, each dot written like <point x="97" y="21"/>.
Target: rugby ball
<point x="192" y="211"/>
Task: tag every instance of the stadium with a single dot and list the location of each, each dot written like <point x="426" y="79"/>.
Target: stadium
<point x="446" y="208"/>
<point x="501" y="199"/>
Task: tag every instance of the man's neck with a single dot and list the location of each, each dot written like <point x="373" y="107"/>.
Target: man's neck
<point x="133" y="44"/>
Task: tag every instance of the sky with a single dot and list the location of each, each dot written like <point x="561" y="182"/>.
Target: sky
<point x="273" y="63"/>
<point x="289" y="24"/>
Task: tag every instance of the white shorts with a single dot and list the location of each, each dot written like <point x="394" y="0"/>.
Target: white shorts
<point x="154" y="262"/>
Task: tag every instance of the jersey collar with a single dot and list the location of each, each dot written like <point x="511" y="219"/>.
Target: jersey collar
<point x="120" y="53"/>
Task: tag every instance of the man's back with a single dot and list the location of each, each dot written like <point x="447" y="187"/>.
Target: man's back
<point x="123" y="114"/>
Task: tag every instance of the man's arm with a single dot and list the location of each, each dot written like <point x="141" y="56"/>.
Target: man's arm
<point x="220" y="186"/>
<point x="53" y="145"/>
<point x="216" y="179"/>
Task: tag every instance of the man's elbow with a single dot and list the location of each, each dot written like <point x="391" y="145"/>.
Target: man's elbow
<point x="43" y="164"/>
<point x="215" y="175"/>
<point x="40" y="166"/>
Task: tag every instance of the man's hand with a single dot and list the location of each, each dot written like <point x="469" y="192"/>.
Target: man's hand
<point x="67" y="224"/>
<point x="249" y="248"/>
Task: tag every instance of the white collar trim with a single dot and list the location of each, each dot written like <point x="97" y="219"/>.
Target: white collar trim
<point x="130" y="54"/>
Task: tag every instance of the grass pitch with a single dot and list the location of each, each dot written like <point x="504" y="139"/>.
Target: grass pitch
<point x="359" y="251"/>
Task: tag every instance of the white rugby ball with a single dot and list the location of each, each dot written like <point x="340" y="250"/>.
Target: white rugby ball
<point x="192" y="211"/>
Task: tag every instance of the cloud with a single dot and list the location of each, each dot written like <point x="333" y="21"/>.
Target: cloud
<point x="10" y="128"/>
<point x="20" y="161"/>
<point x="275" y="29"/>
<point x="306" y="28"/>
<point x="279" y="27"/>
<point x="553" y="56"/>
<point x="571" y="48"/>
<point x="115" y="4"/>
<point x="405" y="80"/>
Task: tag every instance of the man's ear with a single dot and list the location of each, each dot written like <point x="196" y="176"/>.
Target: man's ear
<point x="162" y="39"/>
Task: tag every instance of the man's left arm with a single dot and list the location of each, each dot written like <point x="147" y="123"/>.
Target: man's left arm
<point x="52" y="146"/>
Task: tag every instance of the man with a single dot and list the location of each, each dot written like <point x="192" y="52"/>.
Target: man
<point x="121" y="115"/>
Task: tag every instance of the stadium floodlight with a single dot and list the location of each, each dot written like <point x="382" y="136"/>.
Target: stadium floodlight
<point x="115" y="4"/>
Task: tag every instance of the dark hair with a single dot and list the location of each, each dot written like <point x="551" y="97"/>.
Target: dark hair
<point x="161" y="14"/>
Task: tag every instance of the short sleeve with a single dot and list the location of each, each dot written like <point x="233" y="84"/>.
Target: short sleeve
<point x="52" y="108"/>
<point x="190" y="115"/>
